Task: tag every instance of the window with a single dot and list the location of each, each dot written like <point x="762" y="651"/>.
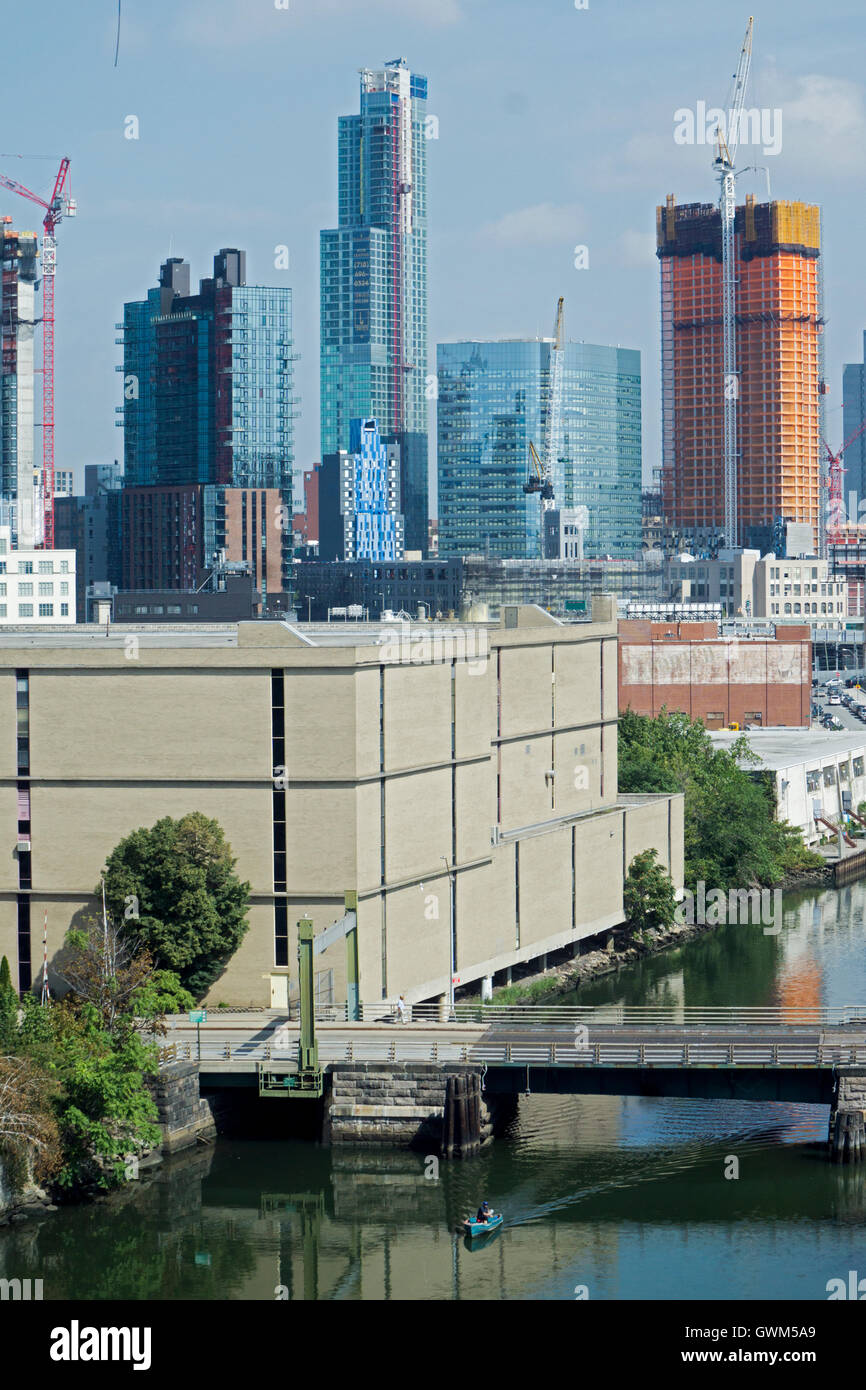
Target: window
<point x="46" y="590"/>
<point x="46" y="566"/>
<point x="46" y="610"/>
<point x="64" y="566"/>
<point x="830" y="776"/>
<point x="64" y="588"/>
<point x="858" y="767"/>
<point x="25" y="610"/>
<point x="25" y="590"/>
<point x="813" y="781"/>
<point x="64" y="610"/>
<point x="25" y="566"/>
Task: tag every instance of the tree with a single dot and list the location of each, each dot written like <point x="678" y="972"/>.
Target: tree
<point x="28" y="1129"/>
<point x="648" y="895"/>
<point x="732" y="838"/>
<point x="8" y="1009"/>
<point x="107" y="968"/>
<point x="175" y="887"/>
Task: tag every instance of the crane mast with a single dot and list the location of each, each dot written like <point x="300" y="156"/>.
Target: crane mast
<point x="554" y="407"/>
<point x="56" y="208"/>
<point x="724" y="164"/>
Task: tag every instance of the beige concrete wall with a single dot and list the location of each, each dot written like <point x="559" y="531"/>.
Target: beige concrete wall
<point x="545" y="885"/>
<point x="134" y="723"/>
<point x="82" y="825"/>
<point x="417" y="823"/>
<point x="525" y="793"/>
<point x="320" y="839"/>
<point x="320" y="724"/>
<point x="417" y="715"/>
<point x="485" y="911"/>
<point x="476" y="810"/>
<point x="526" y="689"/>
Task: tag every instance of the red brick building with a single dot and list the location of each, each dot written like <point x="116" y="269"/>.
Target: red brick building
<point x="720" y="680"/>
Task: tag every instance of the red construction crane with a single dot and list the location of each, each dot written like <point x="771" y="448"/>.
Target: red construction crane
<point x="835" y="473"/>
<point x="56" y="208"/>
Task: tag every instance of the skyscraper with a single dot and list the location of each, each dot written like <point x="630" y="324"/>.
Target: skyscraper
<point x="779" y="380"/>
<point x="208" y="411"/>
<point x="18" y="490"/>
<point x="853" y="416"/>
<point x="493" y="401"/>
<point x="374" y="282"/>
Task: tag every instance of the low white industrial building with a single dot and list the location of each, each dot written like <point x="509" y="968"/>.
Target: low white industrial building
<point x="818" y="775"/>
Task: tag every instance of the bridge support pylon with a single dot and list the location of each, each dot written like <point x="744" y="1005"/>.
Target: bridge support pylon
<point x="847" y="1138"/>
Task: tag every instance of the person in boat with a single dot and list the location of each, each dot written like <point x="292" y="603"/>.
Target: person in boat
<point x="484" y="1213"/>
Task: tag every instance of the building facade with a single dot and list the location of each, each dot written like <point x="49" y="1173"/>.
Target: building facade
<point x="493" y="401"/>
<point x="19" y="491"/>
<point x="374" y="282"/>
<point x="360" y="516"/>
<point x="853" y="418"/>
<point x="749" y="585"/>
<point x="91" y="526"/>
<point x="688" y="666"/>
<point x="429" y="588"/>
<point x="469" y="799"/>
<point x="779" y="385"/>
<point x="208" y="411"/>
<point x="37" y="587"/>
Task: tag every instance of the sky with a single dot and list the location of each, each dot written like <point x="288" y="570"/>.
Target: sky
<point x="557" y="129"/>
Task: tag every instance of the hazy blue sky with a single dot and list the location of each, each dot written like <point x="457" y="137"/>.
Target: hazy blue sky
<point x="556" y="129"/>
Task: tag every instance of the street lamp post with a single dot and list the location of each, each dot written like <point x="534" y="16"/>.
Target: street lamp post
<point x="450" y="874"/>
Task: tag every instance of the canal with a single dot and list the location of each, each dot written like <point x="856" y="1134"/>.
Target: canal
<point x="605" y="1198"/>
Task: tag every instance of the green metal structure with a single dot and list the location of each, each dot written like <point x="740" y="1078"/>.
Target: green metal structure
<point x="307" y="1082"/>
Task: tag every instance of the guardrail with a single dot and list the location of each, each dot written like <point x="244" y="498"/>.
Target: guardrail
<point x="214" y="1056"/>
<point x="622" y="1015"/>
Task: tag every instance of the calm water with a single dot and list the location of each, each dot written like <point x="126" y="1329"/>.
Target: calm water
<point x="624" y="1196"/>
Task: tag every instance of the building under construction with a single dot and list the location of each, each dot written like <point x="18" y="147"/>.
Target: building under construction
<point x="779" y="380"/>
<point x="18" y="493"/>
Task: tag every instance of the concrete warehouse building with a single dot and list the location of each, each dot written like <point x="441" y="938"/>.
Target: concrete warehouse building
<point x="461" y="775"/>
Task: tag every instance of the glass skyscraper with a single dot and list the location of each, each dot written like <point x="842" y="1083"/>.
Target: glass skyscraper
<point x="493" y="400"/>
<point x="208" y="381"/>
<point x="374" y="282"/>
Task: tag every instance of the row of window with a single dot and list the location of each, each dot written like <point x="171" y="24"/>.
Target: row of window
<point x="46" y="610"/>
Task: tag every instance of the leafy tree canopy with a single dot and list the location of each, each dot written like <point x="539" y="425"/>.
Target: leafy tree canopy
<point x="732" y="838"/>
<point x="175" y="886"/>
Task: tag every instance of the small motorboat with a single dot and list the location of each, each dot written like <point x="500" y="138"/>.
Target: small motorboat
<point x="483" y="1228"/>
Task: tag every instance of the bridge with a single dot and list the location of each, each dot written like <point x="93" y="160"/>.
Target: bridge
<point x="381" y="1070"/>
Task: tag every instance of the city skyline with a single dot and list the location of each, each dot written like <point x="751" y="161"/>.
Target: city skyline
<point x="500" y="248"/>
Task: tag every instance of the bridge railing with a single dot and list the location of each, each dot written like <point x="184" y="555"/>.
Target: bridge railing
<point x="373" y="1048"/>
<point x="620" y="1015"/>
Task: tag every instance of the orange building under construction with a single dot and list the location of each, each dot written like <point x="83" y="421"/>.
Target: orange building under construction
<point x="779" y="386"/>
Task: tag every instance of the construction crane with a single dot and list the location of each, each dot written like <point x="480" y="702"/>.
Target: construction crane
<point x="835" y="473"/>
<point x="541" y="475"/>
<point x="724" y="162"/>
<point x="538" y="480"/>
<point x="57" y="207"/>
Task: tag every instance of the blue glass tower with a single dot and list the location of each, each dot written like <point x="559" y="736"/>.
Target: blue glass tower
<point x="493" y="400"/>
<point x="374" y="282"/>
<point x="359" y="498"/>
